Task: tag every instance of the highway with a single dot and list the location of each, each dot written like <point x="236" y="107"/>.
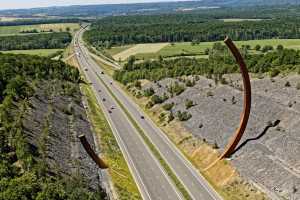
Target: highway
<point x="150" y="177"/>
<point x="194" y="182"/>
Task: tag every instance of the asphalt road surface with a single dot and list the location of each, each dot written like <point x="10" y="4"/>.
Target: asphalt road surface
<point x="155" y="186"/>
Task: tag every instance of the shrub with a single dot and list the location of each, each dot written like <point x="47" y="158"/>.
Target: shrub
<point x="183" y="116"/>
<point x="298" y="86"/>
<point x="170" y="117"/>
<point x="137" y="84"/>
<point x="190" y="83"/>
<point x="257" y="47"/>
<point x="156" y="99"/>
<point x="188" y="103"/>
<point x="149" y="92"/>
<point x="287" y="84"/>
<point x="274" y="72"/>
<point x="176" y="88"/>
<point x="168" y="106"/>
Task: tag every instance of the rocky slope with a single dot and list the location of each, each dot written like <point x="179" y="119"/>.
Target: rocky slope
<point x="52" y="125"/>
<point x="269" y="153"/>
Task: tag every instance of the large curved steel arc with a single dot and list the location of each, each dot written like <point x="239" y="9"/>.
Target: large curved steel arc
<point x="235" y="139"/>
<point x="247" y="100"/>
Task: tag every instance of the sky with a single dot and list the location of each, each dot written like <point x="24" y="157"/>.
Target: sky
<point x="15" y="4"/>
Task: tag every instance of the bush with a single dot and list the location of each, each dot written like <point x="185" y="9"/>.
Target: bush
<point x="168" y="106"/>
<point x="274" y="72"/>
<point x="280" y="47"/>
<point x="190" y="83"/>
<point x="298" y="86"/>
<point x="149" y="92"/>
<point x="267" y="48"/>
<point x="188" y="103"/>
<point x="156" y="99"/>
<point x="257" y="47"/>
<point x="137" y="84"/>
<point x="287" y="84"/>
<point x="176" y="88"/>
<point x="183" y="116"/>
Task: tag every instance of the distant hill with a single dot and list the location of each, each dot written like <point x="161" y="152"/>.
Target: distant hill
<point x="140" y="8"/>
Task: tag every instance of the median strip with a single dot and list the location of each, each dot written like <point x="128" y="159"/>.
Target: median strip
<point x="153" y="149"/>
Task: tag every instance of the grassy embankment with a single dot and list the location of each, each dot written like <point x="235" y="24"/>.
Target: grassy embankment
<point x="119" y="171"/>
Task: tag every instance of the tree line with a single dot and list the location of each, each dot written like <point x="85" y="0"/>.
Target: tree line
<point x="35" y="41"/>
<point x="220" y="62"/>
<point x="21" y="22"/>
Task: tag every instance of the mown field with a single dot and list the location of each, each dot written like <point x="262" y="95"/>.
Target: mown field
<point x="39" y="52"/>
<point x="197" y="50"/>
<point x="13" y="30"/>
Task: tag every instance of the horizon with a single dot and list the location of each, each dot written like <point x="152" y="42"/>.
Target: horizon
<point x="18" y="4"/>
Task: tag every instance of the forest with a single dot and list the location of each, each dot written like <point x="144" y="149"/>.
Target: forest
<point x="194" y="26"/>
<point x="25" y="21"/>
<point x="23" y="172"/>
<point x="220" y="62"/>
<point x="35" y="41"/>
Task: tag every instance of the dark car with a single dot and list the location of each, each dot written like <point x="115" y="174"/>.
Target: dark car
<point x="103" y="99"/>
<point x="142" y="117"/>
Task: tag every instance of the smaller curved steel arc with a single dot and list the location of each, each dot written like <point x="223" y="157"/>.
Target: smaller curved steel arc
<point x="235" y="139"/>
<point x="101" y="164"/>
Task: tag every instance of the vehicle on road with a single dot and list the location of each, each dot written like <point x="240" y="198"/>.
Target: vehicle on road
<point x="103" y="99"/>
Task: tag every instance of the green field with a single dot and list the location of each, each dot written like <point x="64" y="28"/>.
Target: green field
<point x="13" y="30"/>
<point x="39" y="52"/>
<point x="115" y="50"/>
<point x="185" y="48"/>
<point x="238" y="20"/>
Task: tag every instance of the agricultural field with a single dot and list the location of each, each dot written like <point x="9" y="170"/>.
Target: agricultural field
<point x="145" y="51"/>
<point x="14" y="30"/>
<point x="39" y="52"/>
<point x="140" y="49"/>
<point x="239" y="20"/>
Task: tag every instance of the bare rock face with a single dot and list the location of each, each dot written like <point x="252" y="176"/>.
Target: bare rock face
<point x="269" y="152"/>
<point x="52" y="125"/>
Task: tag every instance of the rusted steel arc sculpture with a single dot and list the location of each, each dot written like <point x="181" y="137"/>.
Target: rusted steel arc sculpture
<point x="247" y="102"/>
<point x="92" y="154"/>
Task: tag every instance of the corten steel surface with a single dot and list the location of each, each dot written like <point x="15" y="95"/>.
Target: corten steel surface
<point x="247" y="102"/>
<point x="92" y="154"/>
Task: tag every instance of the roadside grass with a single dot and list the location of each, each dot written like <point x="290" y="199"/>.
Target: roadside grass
<point x="156" y="153"/>
<point x="197" y="50"/>
<point x="119" y="171"/>
<point x="15" y="30"/>
<point x="39" y="52"/>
